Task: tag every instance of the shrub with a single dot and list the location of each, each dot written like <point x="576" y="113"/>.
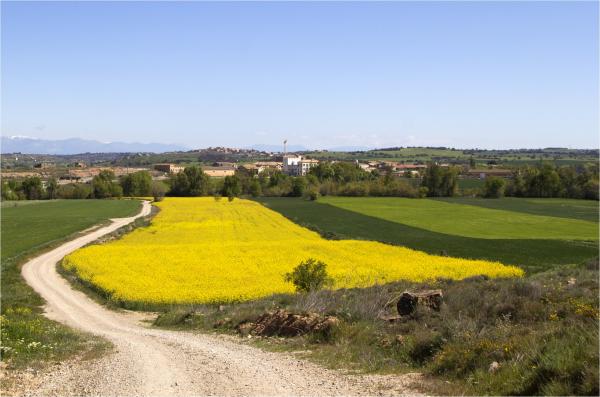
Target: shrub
<point x="494" y="187"/>
<point x="355" y="189"/>
<point x="158" y="189"/>
<point x="175" y="317"/>
<point x="309" y="275"/>
<point x="311" y="195"/>
<point x="425" y="345"/>
<point x="74" y="191"/>
<point x="255" y="189"/>
<point x="298" y="186"/>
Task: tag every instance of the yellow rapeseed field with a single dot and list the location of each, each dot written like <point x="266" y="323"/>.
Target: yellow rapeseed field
<point x="200" y="250"/>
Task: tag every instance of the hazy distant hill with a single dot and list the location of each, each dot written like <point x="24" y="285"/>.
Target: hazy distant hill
<point x="277" y="148"/>
<point x="76" y="145"/>
<point x="299" y="148"/>
<point x="349" y="148"/>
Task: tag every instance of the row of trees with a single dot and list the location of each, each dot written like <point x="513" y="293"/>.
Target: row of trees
<point x="546" y="181"/>
<point x="550" y="181"/>
<point x="33" y="188"/>
<point x="344" y="179"/>
<point x="103" y="185"/>
<point x="440" y="181"/>
<point x="30" y="188"/>
<point x="347" y="179"/>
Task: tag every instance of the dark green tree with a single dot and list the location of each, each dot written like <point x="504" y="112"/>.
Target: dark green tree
<point x="51" y="188"/>
<point x="191" y="182"/>
<point x="32" y="188"/>
<point x="323" y="171"/>
<point x="440" y="181"/>
<point x="103" y="185"/>
<point x="180" y="185"/>
<point x="298" y="186"/>
<point x="231" y="187"/>
<point x="255" y="188"/>
<point x="494" y="187"/>
<point x="199" y="182"/>
<point x="137" y="184"/>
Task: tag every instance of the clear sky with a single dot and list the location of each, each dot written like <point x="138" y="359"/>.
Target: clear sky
<point x="473" y="74"/>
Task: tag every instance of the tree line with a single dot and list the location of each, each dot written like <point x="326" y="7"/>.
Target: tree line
<point x="546" y="181"/>
<point x="326" y="179"/>
<point x="103" y="185"/>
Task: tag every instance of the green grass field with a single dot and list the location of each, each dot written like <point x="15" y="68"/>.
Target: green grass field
<point x="28" y="338"/>
<point x="463" y="183"/>
<point x="27" y="225"/>
<point x="423" y="154"/>
<point x="459" y="219"/>
<point x="537" y="248"/>
<point x="586" y="210"/>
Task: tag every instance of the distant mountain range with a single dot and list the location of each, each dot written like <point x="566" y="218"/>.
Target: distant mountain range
<point x="77" y="145"/>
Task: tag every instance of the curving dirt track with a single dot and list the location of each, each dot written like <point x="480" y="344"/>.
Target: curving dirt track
<point x="155" y="362"/>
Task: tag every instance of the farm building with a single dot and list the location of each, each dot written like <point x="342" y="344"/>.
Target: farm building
<point x="410" y="167"/>
<point x="260" y="166"/>
<point x="44" y="165"/>
<point x="219" y="172"/>
<point x="366" y="167"/>
<point x="168" y="168"/>
<point x="224" y="164"/>
<point x="484" y="173"/>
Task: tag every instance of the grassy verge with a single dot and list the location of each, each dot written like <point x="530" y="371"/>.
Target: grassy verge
<point x="537" y="335"/>
<point x="28" y="338"/>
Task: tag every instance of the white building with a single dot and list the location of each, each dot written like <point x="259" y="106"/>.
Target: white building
<point x="297" y="166"/>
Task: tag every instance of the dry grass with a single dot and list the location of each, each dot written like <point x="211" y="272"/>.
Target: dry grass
<point x="542" y="331"/>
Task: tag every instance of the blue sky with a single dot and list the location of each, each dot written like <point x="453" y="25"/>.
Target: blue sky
<point x="475" y="74"/>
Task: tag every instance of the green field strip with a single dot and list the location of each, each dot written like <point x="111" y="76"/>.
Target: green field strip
<point x="335" y="222"/>
<point x="586" y="210"/>
<point x="27" y="227"/>
<point x="467" y="220"/>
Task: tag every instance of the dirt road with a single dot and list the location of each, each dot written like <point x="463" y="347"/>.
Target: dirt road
<point x="149" y="361"/>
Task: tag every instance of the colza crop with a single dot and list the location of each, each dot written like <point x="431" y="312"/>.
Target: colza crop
<point x="202" y="250"/>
